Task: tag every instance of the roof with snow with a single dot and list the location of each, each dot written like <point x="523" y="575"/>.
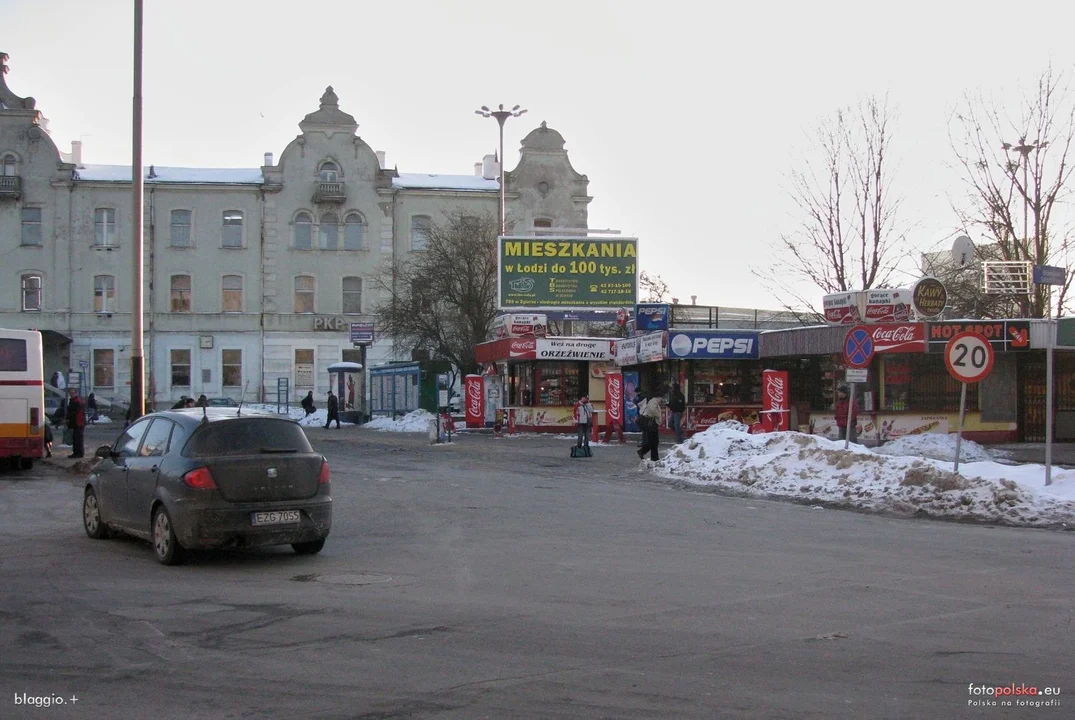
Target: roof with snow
<point x="212" y="176"/>
<point x="473" y="183"/>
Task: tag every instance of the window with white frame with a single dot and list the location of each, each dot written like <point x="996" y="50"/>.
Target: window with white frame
<point x="231" y="362"/>
<point x="232" y="231"/>
<point x="180" y="368"/>
<point x="304" y="294"/>
<point x="353" y="230"/>
<point x="328" y="232"/>
<point x="104" y="293"/>
<point x="180" y="228"/>
<point x="352" y="295"/>
<point x="9" y="166"/>
<point x="304" y="235"/>
<point x="104" y="227"/>
<point x="31" y="226"/>
<point x="31" y="292"/>
<point x="232" y="288"/>
<point x="181" y="293"/>
<point x="104" y="368"/>
<point x="420" y="225"/>
<point x="330" y="172"/>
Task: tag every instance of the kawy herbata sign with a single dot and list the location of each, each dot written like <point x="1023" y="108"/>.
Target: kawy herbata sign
<point x="577" y="273"/>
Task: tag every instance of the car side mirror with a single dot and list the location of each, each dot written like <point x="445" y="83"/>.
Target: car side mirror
<point x="104" y="451"/>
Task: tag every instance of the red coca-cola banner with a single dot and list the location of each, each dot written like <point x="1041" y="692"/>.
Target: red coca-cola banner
<point x="614" y="398"/>
<point x="475" y="399"/>
<point x="904" y="338"/>
<point x="775" y="406"/>
<point x="506" y="349"/>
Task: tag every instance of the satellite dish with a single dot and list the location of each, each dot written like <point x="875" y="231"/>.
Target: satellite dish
<point x="962" y="251"/>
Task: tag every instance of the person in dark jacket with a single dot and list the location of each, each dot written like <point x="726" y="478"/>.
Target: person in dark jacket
<point x="181" y="404"/>
<point x="308" y="403"/>
<point x="203" y="401"/>
<point x="677" y="405"/>
<point x="76" y="420"/>
<point x="333" y="411"/>
<point x="91" y="408"/>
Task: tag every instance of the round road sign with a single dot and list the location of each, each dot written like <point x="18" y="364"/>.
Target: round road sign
<point x="969" y="357"/>
<point x="858" y="347"/>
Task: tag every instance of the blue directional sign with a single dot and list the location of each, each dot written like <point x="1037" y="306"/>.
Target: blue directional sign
<point x="858" y="347"/>
<point x="1049" y="275"/>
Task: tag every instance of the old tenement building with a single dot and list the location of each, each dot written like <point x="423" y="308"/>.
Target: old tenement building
<point x="251" y="274"/>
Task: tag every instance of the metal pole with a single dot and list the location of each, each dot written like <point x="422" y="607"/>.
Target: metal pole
<point x="1049" y="342"/>
<point x="962" y="414"/>
<point x="850" y="415"/>
<point x="137" y="265"/>
<point x="503" y="215"/>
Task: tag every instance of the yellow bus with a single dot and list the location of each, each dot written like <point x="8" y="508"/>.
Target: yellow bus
<point x="22" y="397"/>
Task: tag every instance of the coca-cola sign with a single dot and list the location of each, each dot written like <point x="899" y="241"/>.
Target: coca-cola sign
<point x="841" y="308"/>
<point x="775" y="403"/>
<point x="906" y="337"/>
<point x="888" y="306"/>
<point x="522" y="348"/>
<point x="475" y="410"/>
<point x="614" y="398"/>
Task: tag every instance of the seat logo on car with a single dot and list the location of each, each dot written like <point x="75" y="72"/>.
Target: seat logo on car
<point x="271" y="472"/>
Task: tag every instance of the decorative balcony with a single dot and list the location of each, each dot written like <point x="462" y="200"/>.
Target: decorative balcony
<point x="10" y="186"/>
<point x="329" y="192"/>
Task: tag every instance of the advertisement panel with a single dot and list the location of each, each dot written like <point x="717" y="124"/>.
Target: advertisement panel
<point x="362" y="333"/>
<point x="630" y="410"/>
<point x="775" y="409"/>
<point x="650" y="317"/>
<point x="651" y="347"/>
<point x="626" y="351"/>
<point x="573" y="349"/>
<point x="567" y="273"/>
<point x="841" y="309"/>
<point x="929" y="297"/>
<point x="908" y="337"/>
<point x="473" y="393"/>
<point x="1003" y="335"/>
<point x="711" y="344"/>
<point x="702" y="418"/>
<point x="888" y="306"/>
<point x="520" y="325"/>
<point x="614" y="398"/>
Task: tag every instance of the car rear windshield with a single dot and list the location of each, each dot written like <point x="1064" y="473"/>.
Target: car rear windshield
<point x="248" y="436"/>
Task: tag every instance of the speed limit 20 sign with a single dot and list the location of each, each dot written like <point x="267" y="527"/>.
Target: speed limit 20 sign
<point x="969" y="357"/>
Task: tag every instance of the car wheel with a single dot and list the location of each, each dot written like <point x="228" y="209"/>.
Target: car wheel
<point x="308" y="548"/>
<point x="91" y="516"/>
<point x="166" y="547"/>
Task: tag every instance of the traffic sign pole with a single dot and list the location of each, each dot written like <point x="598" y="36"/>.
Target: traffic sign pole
<point x="962" y="414"/>
<point x="969" y="358"/>
<point x="850" y="414"/>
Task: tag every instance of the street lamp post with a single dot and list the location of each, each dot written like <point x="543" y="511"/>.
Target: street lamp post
<point x="501" y="116"/>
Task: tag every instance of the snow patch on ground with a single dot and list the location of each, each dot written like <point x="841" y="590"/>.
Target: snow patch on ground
<point x="813" y="469"/>
<point x="936" y="446"/>
<point x="294" y="412"/>
<point x="416" y="421"/>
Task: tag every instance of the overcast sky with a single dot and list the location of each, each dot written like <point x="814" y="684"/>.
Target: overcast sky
<point x="686" y="116"/>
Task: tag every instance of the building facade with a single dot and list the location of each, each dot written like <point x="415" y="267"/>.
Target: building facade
<point x="252" y="276"/>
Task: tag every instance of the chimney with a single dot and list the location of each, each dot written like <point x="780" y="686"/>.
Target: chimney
<point x="694" y="299"/>
<point x="380" y="158"/>
<point x="477" y="169"/>
<point x="76" y="153"/>
<point x="490" y="168"/>
<point x="268" y="159"/>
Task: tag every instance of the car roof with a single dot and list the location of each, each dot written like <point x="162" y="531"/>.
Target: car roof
<point x="191" y="417"/>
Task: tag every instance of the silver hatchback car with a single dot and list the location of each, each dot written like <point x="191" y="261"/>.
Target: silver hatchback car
<point x="206" y="478"/>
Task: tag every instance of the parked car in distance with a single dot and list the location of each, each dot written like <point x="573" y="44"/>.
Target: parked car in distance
<point x="207" y="478"/>
<point x="223" y="402"/>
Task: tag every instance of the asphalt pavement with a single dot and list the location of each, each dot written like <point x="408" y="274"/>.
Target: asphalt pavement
<point x="499" y="578"/>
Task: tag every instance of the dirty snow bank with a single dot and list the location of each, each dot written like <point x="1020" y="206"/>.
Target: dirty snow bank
<point x="936" y="446"/>
<point x="417" y="421"/>
<point x="813" y="469"/>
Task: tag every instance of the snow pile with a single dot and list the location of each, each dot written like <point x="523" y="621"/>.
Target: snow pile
<point x="813" y="469"/>
<point x="317" y="418"/>
<point x="936" y="446"/>
<point x="417" y="421"/>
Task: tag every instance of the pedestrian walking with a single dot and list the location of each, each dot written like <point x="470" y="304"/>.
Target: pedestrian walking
<point x="76" y="420"/>
<point x="649" y="419"/>
<point x="48" y="439"/>
<point x="91" y="407"/>
<point x="583" y="421"/>
<point x="203" y="401"/>
<point x="842" y="404"/>
<point x="677" y="405"/>
<point x="308" y="403"/>
<point x="333" y="411"/>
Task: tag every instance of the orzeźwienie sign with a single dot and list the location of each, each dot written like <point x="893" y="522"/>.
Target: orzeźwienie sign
<point x="558" y="273"/>
<point x="573" y="349"/>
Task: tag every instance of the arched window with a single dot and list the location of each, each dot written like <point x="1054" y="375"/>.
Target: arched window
<point x="330" y="172"/>
<point x="353" y="229"/>
<point x="352" y="295"/>
<point x="303" y="231"/>
<point x="329" y="231"/>
<point x="8" y="166"/>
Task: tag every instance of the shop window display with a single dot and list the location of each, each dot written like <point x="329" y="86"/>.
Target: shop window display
<point x="558" y="383"/>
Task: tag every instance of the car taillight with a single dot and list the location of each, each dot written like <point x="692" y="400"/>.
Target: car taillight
<point x="324" y="473"/>
<point x="200" y="479"/>
<point x="35" y="419"/>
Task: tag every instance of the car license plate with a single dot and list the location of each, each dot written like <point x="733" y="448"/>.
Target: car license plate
<point x="275" y="517"/>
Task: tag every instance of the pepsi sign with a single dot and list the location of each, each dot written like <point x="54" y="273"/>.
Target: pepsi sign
<point x="651" y="317"/>
<point x="712" y="344"/>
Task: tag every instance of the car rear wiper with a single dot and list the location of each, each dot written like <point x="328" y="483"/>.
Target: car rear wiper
<point x="278" y="450"/>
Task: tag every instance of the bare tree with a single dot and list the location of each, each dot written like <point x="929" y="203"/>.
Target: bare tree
<point x="444" y="298"/>
<point x="963" y="281"/>
<point x="652" y="288"/>
<point x="1017" y="173"/>
<point x="849" y="237"/>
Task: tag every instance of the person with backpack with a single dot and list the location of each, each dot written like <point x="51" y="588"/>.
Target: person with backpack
<point x="649" y="420"/>
<point x="583" y="421"/>
<point x="308" y="403"/>
<point x="677" y="405"/>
